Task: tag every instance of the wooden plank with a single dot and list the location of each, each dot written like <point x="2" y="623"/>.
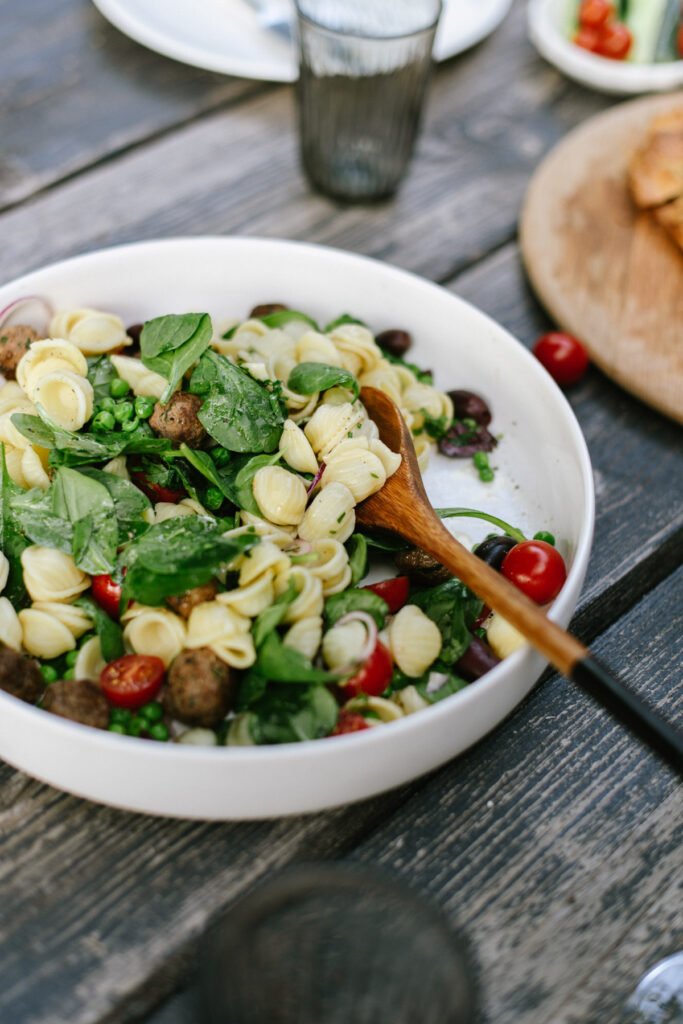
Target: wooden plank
<point x="492" y="114"/>
<point x="75" y="90"/>
<point x="555" y="844"/>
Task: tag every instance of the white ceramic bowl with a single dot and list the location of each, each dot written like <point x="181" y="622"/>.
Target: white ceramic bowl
<point x="547" y="19"/>
<point x="544" y="482"/>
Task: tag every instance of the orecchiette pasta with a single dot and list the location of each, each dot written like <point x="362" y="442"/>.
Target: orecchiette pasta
<point x="76" y="619"/>
<point x="357" y="348"/>
<point x="330" y="515"/>
<point x="48" y="356"/>
<point x="309" y="600"/>
<point x="141" y="380"/>
<point x="378" y="707"/>
<point x="332" y="566"/>
<point x="51" y="575"/>
<point x="280" y="495"/>
<point x="305" y="635"/>
<point x="342" y="645"/>
<point x="66" y="398"/>
<point x="4" y="571"/>
<point x="503" y="638"/>
<point x="239" y="733"/>
<point x="264" y="558"/>
<point x="223" y="630"/>
<point x="155" y="631"/>
<point x="89" y="663"/>
<point x="296" y="449"/>
<point x="414" y="640"/>
<point x="43" y="635"/>
<point x="313" y="347"/>
<point x="409" y="700"/>
<point x="10" y="626"/>
<point x="353" y="464"/>
<point x="251" y="599"/>
<point x="118" y="467"/>
<point x="331" y="424"/>
<point x="90" y="330"/>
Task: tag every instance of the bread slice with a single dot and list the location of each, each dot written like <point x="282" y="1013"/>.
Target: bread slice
<point x="656" y="173"/>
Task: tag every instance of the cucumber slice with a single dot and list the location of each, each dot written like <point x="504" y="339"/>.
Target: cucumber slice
<point x="666" y="41"/>
<point x="645" y="19"/>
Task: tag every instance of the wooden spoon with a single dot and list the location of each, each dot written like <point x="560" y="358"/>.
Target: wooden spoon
<point x="403" y="507"/>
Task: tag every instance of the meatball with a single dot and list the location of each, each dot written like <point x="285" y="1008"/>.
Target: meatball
<point x="421" y="567"/>
<point x="20" y="676"/>
<point x="14" y="343"/>
<point x="178" y="420"/>
<point x="200" y="688"/>
<point x="80" y="700"/>
<point x="184" y="603"/>
<point x="266" y="308"/>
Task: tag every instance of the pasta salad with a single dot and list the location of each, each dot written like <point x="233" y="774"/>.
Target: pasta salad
<point x="180" y="559"/>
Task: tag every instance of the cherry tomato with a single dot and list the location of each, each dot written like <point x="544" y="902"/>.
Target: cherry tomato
<point x="537" y="569"/>
<point x="595" y="13"/>
<point x="615" y="41"/>
<point x="587" y="38"/>
<point x="133" y="680"/>
<point x="155" y="492"/>
<point x="563" y="356"/>
<point x="374" y="676"/>
<point x="349" y="721"/>
<point x="394" y="592"/>
<point x="680" y="40"/>
<point x="107" y="593"/>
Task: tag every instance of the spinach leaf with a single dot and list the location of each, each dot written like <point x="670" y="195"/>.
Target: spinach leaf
<point x="286" y="316"/>
<point x="252" y="686"/>
<point x="271" y="617"/>
<point x="307" y="378"/>
<point x="89" y="507"/>
<point x="353" y="600"/>
<point x="424" y="376"/>
<point x="454" y="609"/>
<point x="129" y="501"/>
<point x="109" y="632"/>
<point x="290" y="715"/>
<point x="281" y="664"/>
<point x="244" y="481"/>
<point x="34" y="513"/>
<point x="12" y="540"/>
<point x="101" y="373"/>
<point x="90" y="447"/>
<point x="238" y="412"/>
<point x="171" y="344"/>
<point x="345" y="318"/>
<point x="383" y="541"/>
<point x="357" y="548"/>
<point x="175" y="556"/>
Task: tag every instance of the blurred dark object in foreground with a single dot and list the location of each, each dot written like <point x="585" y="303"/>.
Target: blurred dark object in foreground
<point x="335" y="944"/>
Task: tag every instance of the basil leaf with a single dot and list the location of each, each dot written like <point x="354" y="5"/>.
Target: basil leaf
<point x="281" y="664"/>
<point x="307" y="378"/>
<point x="355" y="601"/>
<point x="357" y="548"/>
<point x="287" y="316"/>
<point x="175" y="556"/>
<point x="171" y="344"/>
<point x="89" y="507"/>
<point x="109" y="632"/>
<point x="454" y="609"/>
<point x="101" y="373"/>
<point x="345" y="318"/>
<point x="271" y="617"/>
<point x="290" y="715"/>
<point x="238" y="412"/>
<point x="12" y="540"/>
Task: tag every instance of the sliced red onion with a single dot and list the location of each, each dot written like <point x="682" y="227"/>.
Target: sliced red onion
<point x="316" y="479"/>
<point x="435" y="681"/>
<point x="17" y="304"/>
<point x="370" y="639"/>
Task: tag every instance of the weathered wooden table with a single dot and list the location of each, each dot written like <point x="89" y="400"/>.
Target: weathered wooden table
<point x="556" y="842"/>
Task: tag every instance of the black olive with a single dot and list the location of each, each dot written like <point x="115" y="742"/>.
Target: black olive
<point x="468" y="406"/>
<point x="265" y="309"/>
<point x="395" y="342"/>
<point x="134" y="332"/>
<point x="494" y="549"/>
<point x="477" y="660"/>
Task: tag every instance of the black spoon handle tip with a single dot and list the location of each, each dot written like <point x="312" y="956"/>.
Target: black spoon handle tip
<point x="631" y="710"/>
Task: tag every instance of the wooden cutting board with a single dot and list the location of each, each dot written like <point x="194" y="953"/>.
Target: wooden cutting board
<point x="605" y="271"/>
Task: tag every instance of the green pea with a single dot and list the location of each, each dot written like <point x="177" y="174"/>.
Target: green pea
<point x="486" y="474"/>
<point x="49" y="673"/>
<point x="136" y="725"/>
<point x="544" y="535"/>
<point x="68" y="673"/>
<point x="103" y="421"/>
<point x="159" y="732"/>
<point x="144" y="407"/>
<point x="107" y="403"/>
<point x="117" y="727"/>
<point x="221" y="456"/>
<point x="120" y="715"/>
<point x="118" y="388"/>
<point x="481" y="460"/>
<point x="130" y="426"/>
<point x="152" y="712"/>
<point x="123" y="412"/>
<point x="71" y="658"/>
<point x="213" y="498"/>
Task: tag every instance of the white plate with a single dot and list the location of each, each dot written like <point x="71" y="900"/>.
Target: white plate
<point x="225" y="35"/>
<point x="544" y="482"/>
<point x="546" y="20"/>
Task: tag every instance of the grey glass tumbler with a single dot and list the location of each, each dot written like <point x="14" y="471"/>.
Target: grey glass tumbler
<point x="363" y="74"/>
<point x="335" y="944"/>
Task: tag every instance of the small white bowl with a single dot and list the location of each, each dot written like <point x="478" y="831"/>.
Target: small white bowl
<point x="544" y="481"/>
<point x="546" y="20"/>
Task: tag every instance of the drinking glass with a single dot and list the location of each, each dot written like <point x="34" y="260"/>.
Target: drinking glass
<point x="363" y="74"/>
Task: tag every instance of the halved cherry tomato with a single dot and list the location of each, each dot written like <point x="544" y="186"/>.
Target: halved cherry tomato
<point x="155" y="492"/>
<point x="107" y="593"/>
<point x="615" y="41"/>
<point x="680" y="40"/>
<point x="594" y="13"/>
<point x="587" y="38"/>
<point x="394" y="592"/>
<point x="349" y="721"/>
<point x="133" y="680"/>
<point x="563" y="356"/>
<point x="374" y="676"/>
<point x="536" y="568"/>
